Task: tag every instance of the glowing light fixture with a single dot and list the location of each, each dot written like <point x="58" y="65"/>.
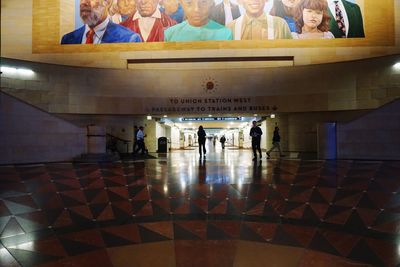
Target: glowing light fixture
<point x="8" y="70"/>
<point x="165" y="116"/>
<point x="12" y="71"/>
<point x="397" y="66"/>
<point x="25" y="72"/>
<point x="210" y="115"/>
<point x="149" y="118"/>
<point x="272" y="116"/>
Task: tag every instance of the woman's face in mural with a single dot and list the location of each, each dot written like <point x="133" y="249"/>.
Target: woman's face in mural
<point x="290" y="3"/>
<point x="93" y="12"/>
<point x="126" y="7"/>
<point x="312" y="18"/>
<point x="197" y="11"/>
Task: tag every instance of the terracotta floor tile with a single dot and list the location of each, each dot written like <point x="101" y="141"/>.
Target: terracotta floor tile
<point x="159" y="254"/>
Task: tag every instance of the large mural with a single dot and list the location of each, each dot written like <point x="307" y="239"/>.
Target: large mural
<point x="132" y="21"/>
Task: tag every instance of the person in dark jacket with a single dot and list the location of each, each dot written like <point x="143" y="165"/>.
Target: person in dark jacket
<point x="223" y="140"/>
<point x="201" y="135"/>
<point x="255" y="133"/>
<point x="276" y="139"/>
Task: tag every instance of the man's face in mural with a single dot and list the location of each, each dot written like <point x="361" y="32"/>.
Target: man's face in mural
<point x="254" y="8"/>
<point x="93" y="12"/>
<point x="170" y="6"/>
<point x="146" y="8"/>
<point x="126" y="7"/>
<point x="197" y="11"/>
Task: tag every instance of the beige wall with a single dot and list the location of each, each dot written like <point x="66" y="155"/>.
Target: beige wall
<point x="365" y="84"/>
<point x="17" y="17"/>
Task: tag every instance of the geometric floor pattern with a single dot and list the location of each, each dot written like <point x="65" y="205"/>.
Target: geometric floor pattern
<point x="208" y="211"/>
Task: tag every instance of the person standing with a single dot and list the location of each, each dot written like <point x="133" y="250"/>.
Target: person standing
<point x="201" y="135"/>
<point x="255" y="133"/>
<point x="276" y="139"/>
<point x="135" y="144"/>
<point x="222" y="140"/>
<point x="140" y="141"/>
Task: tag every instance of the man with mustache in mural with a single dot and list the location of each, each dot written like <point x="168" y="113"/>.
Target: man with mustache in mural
<point x="148" y="21"/>
<point x="256" y="25"/>
<point x="98" y="26"/>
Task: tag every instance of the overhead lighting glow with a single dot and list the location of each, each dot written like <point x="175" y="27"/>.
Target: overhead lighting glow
<point x="25" y="72"/>
<point x="149" y="118"/>
<point x="12" y="71"/>
<point x="210" y="115"/>
<point x="8" y="70"/>
<point x="397" y="66"/>
<point x="272" y="116"/>
<point x="165" y="116"/>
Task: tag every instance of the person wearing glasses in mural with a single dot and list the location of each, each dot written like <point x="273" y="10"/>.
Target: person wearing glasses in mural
<point x="285" y="9"/>
<point x="148" y="21"/>
<point x="197" y="26"/>
<point x="173" y="9"/>
<point x="346" y="19"/>
<point x="98" y="26"/>
<point x="122" y="9"/>
<point x="312" y="19"/>
<point x="225" y="12"/>
<point x="256" y="25"/>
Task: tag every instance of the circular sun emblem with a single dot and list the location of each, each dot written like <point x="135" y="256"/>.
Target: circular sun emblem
<point x="210" y="85"/>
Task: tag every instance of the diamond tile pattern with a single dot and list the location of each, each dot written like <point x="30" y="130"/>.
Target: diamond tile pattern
<point x="50" y="212"/>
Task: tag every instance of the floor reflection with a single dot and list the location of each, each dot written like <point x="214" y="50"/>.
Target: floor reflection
<point x="221" y="210"/>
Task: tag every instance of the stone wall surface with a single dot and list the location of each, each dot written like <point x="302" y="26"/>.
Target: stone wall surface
<point x="372" y="136"/>
<point x="29" y="135"/>
<point x="365" y="84"/>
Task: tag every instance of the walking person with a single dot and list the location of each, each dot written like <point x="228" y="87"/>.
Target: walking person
<point x="135" y="143"/>
<point x="201" y="135"/>
<point x="223" y="140"/>
<point x="276" y="139"/>
<point x="140" y="141"/>
<point x="255" y="133"/>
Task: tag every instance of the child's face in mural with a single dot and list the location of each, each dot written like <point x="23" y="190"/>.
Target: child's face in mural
<point x="93" y="12"/>
<point x="312" y="18"/>
<point x="146" y="8"/>
<point x="197" y="11"/>
<point x="126" y="7"/>
<point x="290" y="3"/>
<point x="254" y="8"/>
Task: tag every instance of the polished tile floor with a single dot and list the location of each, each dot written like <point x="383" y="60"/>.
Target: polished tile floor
<point x="179" y="210"/>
